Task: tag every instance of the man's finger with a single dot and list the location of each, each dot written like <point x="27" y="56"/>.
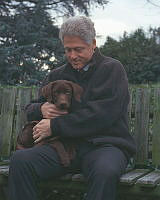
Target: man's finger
<point x="52" y="115"/>
<point x="36" y="136"/>
<point x="35" y="128"/>
<point x="35" y="131"/>
<point x="38" y="139"/>
<point x="58" y="112"/>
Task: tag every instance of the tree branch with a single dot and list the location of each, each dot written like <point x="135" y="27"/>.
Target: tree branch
<point x="154" y="4"/>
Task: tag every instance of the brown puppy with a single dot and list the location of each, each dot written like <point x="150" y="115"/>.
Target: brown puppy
<point x="61" y="93"/>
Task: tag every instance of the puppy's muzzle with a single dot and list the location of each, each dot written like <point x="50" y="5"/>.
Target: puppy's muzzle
<point x="63" y="102"/>
<point x="63" y="106"/>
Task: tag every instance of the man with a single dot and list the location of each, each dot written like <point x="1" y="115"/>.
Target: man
<point x="99" y="127"/>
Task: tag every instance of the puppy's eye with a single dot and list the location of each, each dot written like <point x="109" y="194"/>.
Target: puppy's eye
<point x="68" y="92"/>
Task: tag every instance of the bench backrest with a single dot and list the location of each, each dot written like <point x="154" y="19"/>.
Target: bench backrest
<point x="12" y="116"/>
<point x="143" y="111"/>
<point x="144" y="121"/>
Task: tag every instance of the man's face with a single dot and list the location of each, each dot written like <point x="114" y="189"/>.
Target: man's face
<point x="77" y="51"/>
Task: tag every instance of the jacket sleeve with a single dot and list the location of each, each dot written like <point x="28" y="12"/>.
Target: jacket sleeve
<point x="108" y="101"/>
<point x="33" y="110"/>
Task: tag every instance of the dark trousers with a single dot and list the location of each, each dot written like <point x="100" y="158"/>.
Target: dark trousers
<point x="102" y="166"/>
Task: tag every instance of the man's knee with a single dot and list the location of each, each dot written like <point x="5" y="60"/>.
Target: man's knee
<point x="20" y="157"/>
<point x="103" y="166"/>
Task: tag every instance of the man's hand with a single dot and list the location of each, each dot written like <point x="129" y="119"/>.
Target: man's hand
<point x="50" y="111"/>
<point x="41" y="130"/>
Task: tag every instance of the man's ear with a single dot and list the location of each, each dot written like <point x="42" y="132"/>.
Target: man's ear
<point x="94" y="43"/>
<point x="47" y="91"/>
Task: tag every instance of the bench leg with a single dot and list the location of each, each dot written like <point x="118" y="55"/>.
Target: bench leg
<point x="3" y="193"/>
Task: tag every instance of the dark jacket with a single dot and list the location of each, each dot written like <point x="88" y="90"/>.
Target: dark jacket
<point x="102" y="116"/>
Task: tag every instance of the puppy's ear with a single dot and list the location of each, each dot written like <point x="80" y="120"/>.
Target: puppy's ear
<point x="29" y="125"/>
<point x="77" y="91"/>
<point x="47" y="91"/>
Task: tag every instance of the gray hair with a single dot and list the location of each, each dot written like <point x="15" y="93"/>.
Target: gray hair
<point x="78" y="26"/>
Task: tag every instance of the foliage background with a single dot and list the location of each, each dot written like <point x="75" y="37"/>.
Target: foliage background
<point x="30" y="47"/>
<point x="140" y="54"/>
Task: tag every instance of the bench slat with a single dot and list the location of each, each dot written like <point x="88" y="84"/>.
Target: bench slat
<point x="156" y="129"/>
<point x="4" y="170"/>
<point x="35" y="93"/>
<point x="130" y="107"/>
<point x="1" y="93"/>
<point x="7" y="120"/>
<point x="78" y="178"/>
<point x="149" y="180"/>
<point x="23" y="98"/>
<point x="141" y="124"/>
<point x="131" y="177"/>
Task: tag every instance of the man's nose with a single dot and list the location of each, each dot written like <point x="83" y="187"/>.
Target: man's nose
<point x="73" y="54"/>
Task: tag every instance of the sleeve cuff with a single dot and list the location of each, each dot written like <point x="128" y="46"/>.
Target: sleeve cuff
<point x="55" y="128"/>
<point x="33" y="112"/>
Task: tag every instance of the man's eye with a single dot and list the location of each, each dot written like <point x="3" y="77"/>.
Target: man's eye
<point x="67" y="49"/>
<point x="79" y="49"/>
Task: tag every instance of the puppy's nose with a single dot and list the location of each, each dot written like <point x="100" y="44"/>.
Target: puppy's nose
<point x="63" y="106"/>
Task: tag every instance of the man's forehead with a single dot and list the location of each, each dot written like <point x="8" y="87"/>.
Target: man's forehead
<point x="68" y="39"/>
<point x="74" y="48"/>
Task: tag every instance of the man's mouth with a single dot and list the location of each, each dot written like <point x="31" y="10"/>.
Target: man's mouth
<point x="76" y="62"/>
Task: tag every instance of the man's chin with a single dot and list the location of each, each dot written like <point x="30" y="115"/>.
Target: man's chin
<point x="77" y="66"/>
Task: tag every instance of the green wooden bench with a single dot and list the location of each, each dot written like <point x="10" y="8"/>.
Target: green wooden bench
<point x="142" y="177"/>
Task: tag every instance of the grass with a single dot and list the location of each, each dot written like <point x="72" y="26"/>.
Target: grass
<point x="62" y="194"/>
